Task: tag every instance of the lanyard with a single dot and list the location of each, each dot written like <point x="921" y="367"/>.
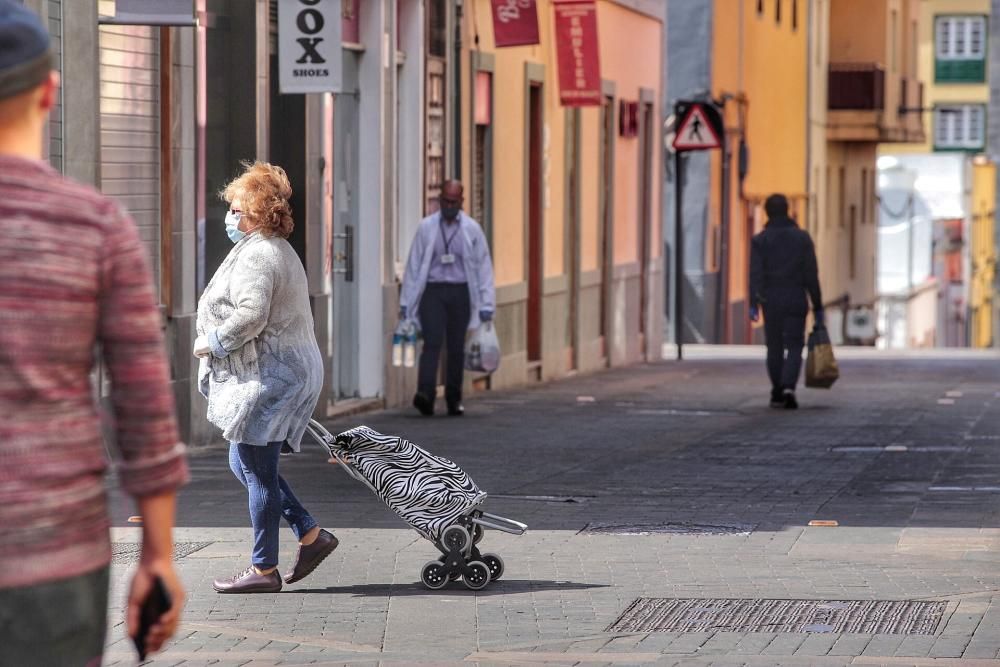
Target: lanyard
<point x="448" y="239"/>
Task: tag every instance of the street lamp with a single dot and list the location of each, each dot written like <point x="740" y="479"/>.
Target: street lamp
<point x="900" y="179"/>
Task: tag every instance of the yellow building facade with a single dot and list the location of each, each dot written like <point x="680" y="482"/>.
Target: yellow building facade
<point x="983" y="253"/>
<point x="845" y="85"/>
<point x="952" y="50"/>
<point x="754" y="45"/>
<point x="865" y="90"/>
<point x="809" y="91"/>
<point x="572" y="204"/>
<point x="951" y="53"/>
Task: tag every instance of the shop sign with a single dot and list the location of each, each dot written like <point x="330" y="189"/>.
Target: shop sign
<point x="309" y="48"/>
<point x="515" y="22"/>
<point x="577" y="51"/>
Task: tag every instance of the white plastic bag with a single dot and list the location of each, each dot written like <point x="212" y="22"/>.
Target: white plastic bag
<point x="482" y="350"/>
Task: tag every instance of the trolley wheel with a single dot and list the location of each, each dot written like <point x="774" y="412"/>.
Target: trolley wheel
<point x="433" y="575"/>
<point x="454" y="576"/>
<point x="495" y="563"/>
<point x="477" y="533"/>
<point x="477" y="575"/>
<point x="456" y="537"/>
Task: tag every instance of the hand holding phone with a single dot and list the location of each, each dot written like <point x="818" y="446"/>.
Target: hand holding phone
<point x="156" y="604"/>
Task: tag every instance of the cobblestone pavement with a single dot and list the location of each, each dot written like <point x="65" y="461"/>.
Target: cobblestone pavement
<point x="717" y="490"/>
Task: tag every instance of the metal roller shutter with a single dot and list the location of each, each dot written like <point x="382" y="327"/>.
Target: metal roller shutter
<point x="130" y="128"/>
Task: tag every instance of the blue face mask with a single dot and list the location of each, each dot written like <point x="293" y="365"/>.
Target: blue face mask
<point x="232" y="227"/>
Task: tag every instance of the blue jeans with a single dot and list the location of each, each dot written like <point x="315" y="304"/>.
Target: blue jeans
<point x="270" y="499"/>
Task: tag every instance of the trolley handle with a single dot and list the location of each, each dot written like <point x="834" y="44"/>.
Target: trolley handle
<point x="325" y="438"/>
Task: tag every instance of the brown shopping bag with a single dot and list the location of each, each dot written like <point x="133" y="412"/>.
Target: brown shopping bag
<point x="821" y="366"/>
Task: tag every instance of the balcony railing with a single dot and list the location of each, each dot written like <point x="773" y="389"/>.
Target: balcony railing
<point x="856" y="86"/>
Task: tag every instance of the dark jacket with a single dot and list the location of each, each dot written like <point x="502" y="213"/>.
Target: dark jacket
<point x="783" y="268"/>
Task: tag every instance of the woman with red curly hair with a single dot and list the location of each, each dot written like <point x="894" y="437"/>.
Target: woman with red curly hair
<point x="261" y="370"/>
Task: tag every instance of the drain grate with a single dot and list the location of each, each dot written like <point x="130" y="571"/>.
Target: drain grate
<point x="892" y="617"/>
<point x="125" y="553"/>
<point x="667" y="529"/>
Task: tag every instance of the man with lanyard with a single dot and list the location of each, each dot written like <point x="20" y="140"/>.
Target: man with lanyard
<point x="448" y="288"/>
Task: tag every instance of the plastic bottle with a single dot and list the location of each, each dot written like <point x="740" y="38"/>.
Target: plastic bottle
<point x="410" y="346"/>
<point x="397" y="349"/>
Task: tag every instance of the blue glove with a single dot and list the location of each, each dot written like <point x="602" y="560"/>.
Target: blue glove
<point x="754" y="313"/>
<point x="402" y="312"/>
<point x="485" y="315"/>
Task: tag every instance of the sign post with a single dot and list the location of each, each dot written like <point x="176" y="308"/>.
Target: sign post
<point x="699" y="127"/>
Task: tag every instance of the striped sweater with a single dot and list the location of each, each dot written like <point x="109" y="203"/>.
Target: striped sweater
<point x="74" y="279"/>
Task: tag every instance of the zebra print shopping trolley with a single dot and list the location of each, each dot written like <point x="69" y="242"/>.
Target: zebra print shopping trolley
<point x="430" y="493"/>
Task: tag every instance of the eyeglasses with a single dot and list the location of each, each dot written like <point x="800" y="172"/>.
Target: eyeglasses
<point x="445" y="201"/>
<point x="235" y="211"/>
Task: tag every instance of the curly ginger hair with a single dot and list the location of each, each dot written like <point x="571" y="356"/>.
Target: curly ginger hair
<point x="263" y="190"/>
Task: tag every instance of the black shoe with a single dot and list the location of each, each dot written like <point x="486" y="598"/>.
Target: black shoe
<point x="456" y="409"/>
<point x="790" y="402"/>
<point x="424" y="404"/>
<point x="777" y="399"/>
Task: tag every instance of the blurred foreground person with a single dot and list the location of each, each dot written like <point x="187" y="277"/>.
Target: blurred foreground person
<point x="73" y="278"/>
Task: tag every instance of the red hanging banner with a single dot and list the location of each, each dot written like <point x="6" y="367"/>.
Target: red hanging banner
<point x="577" y="51"/>
<point x="515" y="22"/>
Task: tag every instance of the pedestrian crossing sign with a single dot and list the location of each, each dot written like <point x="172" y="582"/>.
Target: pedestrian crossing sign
<point x="697" y="131"/>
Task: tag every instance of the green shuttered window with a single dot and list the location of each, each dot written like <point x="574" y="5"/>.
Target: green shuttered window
<point x="960" y="49"/>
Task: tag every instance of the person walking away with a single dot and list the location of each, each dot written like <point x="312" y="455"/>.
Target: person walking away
<point x="261" y="370"/>
<point x="782" y="273"/>
<point x="448" y="287"/>
<point x="73" y="278"/>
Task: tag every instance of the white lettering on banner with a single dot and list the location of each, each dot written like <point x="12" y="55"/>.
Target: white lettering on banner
<point x="512" y="10"/>
<point x="309" y="46"/>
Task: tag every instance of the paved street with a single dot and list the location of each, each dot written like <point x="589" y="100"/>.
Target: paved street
<point x="672" y="480"/>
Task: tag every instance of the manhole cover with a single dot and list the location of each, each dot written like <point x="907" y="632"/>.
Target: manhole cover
<point x="124" y="553"/>
<point x="666" y="529"/>
<point x="893" y="617"/>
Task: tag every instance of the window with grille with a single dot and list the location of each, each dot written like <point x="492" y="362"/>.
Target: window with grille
<point x="960" y="48"/>
<point x="960" y="127"/>
<point x="437" y="21"/>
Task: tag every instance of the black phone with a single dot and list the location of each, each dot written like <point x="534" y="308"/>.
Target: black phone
<point x="155" y="605"/>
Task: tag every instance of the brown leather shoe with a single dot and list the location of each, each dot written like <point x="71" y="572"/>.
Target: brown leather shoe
<point x="248" y="581"/>
<point x="311" y="555"/>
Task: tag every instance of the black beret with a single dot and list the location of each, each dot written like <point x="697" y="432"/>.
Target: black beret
<point x="25" y="58"/>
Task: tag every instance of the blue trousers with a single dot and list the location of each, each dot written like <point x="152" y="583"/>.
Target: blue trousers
<point x="270" y="499"/>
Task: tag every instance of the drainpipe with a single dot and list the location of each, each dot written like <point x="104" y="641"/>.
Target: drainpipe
<point x="456" y="96"/>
